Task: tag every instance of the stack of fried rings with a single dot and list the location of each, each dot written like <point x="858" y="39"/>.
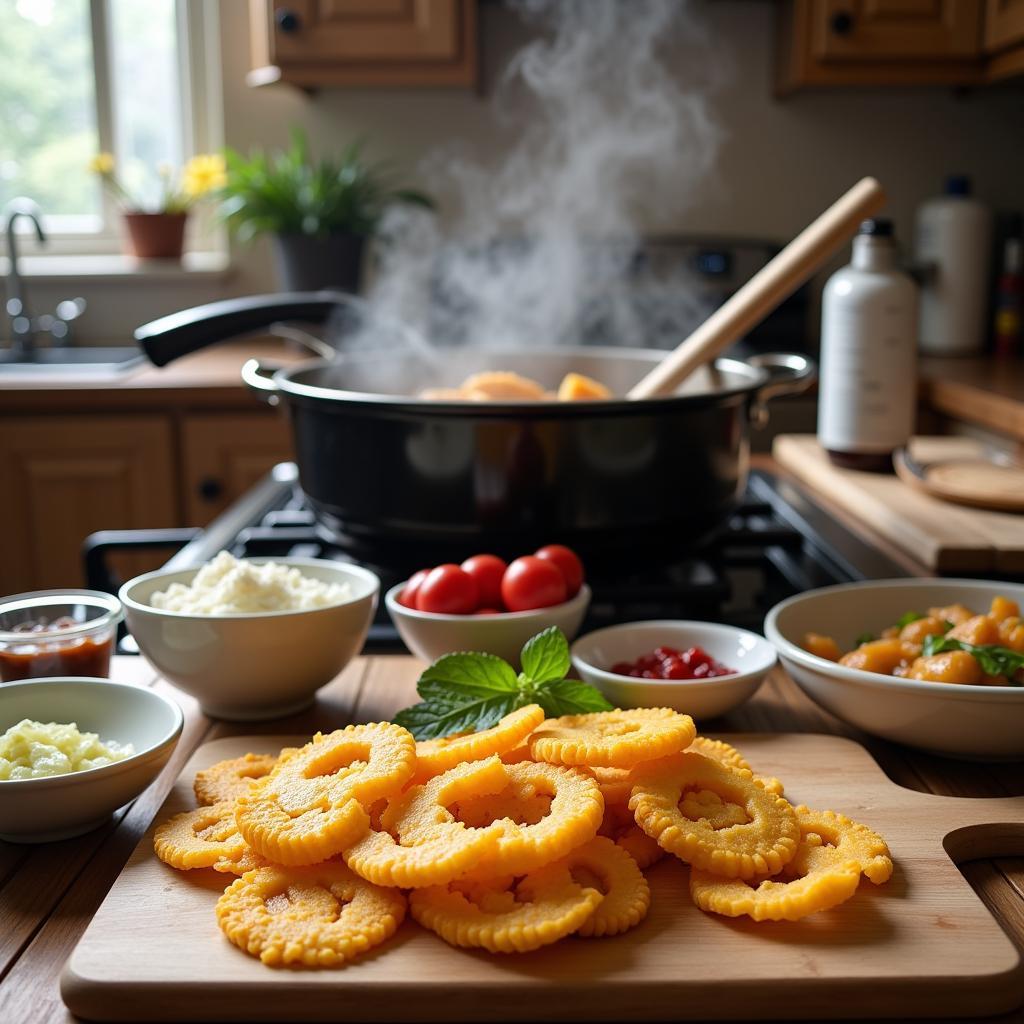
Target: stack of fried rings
<point x="507" y="839"/>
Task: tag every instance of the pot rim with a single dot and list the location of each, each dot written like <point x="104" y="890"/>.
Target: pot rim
<point x="757" y="379"/>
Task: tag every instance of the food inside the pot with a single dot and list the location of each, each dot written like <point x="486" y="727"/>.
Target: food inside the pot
<point x="671" y="663"/>
<point x="947" y="645"/>
<point x="486" y="585"/>
<point x="506" y="386"/>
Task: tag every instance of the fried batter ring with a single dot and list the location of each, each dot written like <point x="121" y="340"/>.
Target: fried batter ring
<point x="317" y="916"/>
<point x="627" y="896"/>
<point x="436" y="756"/>
<point x="199" y="838"/>
<point x="228" y="780"/>
<point x="311" y="806"/>
<point x="760" y="846"/>
<point x="612" y="739"/>
<point x="544" y="907"/>
<point x="842" y="840"/>
<point x="825" y="884"/>
<point x="433" y="847"/>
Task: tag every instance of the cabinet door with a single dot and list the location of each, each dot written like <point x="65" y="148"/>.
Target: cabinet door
<point x="896" y="29"/>
<point x="62" y="478"/>
<point x="1004" y="24"/>
<point x="364" y="42"/>
<point x="224" y="455"/>
<point x="879" y="43"/>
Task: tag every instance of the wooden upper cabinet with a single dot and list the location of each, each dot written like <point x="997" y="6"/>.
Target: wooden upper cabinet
<point x="315" y="43"/>
<point x="64" y="477"/>
<point x="932" y="30"/>
<point x="1004" y="38"/>
<point x="881" y="42"/>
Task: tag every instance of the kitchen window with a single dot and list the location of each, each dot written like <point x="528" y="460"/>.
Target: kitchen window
<point x="136" y="78"/>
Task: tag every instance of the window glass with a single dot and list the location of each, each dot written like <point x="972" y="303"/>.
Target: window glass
<point x="48" y="109"/>
<point x="146" y="95"/>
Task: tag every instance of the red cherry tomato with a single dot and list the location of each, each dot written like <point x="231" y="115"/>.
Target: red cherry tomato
<point x="568" y="561"/>
<point x="448" y="590"/>
<point x="488" y="571"/>
<point x="487" y="611"/>
<point x="531" y="582"/>
<point x="407" y="595"/>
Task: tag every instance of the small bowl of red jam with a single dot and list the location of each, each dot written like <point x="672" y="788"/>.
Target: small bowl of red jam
<point x="57" y="633"/>
<point x="701" y="668"/>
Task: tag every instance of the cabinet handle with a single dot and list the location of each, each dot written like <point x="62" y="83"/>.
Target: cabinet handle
<point x="842" y="23"/>
<point x="287" y="20"/>
<point x="210" y="488"/>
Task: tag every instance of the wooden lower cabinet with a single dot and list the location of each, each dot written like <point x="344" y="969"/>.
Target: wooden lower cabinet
<point x="64" y="477"/>
<point x="224" y="455"/>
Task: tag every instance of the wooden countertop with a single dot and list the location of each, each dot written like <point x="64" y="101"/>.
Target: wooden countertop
<point x="49" y="893"/>
<point x="984" y="391"/>
<point x="210" y="378"/>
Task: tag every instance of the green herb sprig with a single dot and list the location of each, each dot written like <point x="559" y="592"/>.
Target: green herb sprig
<point x="469" y="691"/>
<point x="993" y="659"/>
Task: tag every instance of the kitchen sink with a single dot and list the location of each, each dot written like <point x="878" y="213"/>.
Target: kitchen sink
<point x="71" y="360"/>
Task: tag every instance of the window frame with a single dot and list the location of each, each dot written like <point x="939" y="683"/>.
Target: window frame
<point x="201" y="130"/>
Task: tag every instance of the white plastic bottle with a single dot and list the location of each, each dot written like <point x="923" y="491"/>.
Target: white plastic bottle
<point x="952" y="246"/>
<point x="868" y="389"/>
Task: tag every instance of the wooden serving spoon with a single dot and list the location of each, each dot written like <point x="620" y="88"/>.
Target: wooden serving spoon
<point x="776" y="280"/>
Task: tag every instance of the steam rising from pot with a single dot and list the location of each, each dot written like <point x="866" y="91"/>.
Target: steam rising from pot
<point x="608" y="124"/>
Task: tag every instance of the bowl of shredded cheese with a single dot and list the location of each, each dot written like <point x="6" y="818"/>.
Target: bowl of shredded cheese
<point x="73" y="750"/>
<point x="252" y="639"/>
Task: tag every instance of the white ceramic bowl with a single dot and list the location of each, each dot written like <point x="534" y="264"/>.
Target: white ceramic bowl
<point x="751" y="655"/>
<point x="985" y="722"/>
<point x="259" y="665"/>
<point x="61" y="806"/>
<point x="429" y="635"/>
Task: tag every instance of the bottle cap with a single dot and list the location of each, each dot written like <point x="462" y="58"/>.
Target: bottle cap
<point x="880" y="227"/>
<point x="958" y="185"/>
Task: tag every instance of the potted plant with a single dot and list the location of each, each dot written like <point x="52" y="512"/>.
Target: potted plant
<point x="159" y="233"/>
<point x="320" y="213"/>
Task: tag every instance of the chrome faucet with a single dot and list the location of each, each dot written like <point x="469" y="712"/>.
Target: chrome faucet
<point x="24" y="326"/>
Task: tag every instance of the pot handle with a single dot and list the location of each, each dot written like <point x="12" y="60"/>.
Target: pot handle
<point x="788" y="374"/>
<point x="259" y="379"/>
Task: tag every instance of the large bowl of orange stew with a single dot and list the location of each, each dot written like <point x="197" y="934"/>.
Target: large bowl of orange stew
<point x="936" y="664"/>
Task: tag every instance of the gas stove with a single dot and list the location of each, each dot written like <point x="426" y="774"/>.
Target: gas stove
<point x="777" y="543"/>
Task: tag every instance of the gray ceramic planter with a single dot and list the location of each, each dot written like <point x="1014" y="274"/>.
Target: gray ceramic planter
<point x="311" y="263"/>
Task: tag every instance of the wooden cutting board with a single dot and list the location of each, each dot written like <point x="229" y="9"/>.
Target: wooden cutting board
<point x="921" y="945"/>
<point x="946" y="538"/>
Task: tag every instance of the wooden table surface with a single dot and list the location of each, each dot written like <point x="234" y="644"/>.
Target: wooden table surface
<point x="48" y="893"/>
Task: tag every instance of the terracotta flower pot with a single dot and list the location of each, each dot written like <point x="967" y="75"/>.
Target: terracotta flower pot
<point x="156" y="236"/>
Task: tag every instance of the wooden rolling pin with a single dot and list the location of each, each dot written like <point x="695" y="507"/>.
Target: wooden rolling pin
<point x="776" y="280"/>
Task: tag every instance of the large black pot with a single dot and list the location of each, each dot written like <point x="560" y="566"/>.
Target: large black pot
<point x="607" y="477"/>
<point x="384" y="468"/>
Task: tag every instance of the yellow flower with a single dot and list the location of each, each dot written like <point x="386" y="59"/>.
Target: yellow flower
<point x="102" y="164"/>
<point x="203" y="173"/>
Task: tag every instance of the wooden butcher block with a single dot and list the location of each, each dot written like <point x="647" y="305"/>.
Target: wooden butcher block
<point x="921" y="945"/>
<point x="945" y="537"/>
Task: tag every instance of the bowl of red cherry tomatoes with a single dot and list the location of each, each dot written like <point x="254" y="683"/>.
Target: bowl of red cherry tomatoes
<point x="488" y="604"/>
<point x="701" y="668"/>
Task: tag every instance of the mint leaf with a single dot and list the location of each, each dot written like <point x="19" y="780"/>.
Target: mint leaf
<point x="545" y="657"/>
<point x="468" y="672"/>
<point x="864" y="638"/>
<point x="570" y="697"/>
<point x="993" y="659"/>
<point x="432" y="719"/>
<point x="907" y="618"/>
<point x="468" y="691"/>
